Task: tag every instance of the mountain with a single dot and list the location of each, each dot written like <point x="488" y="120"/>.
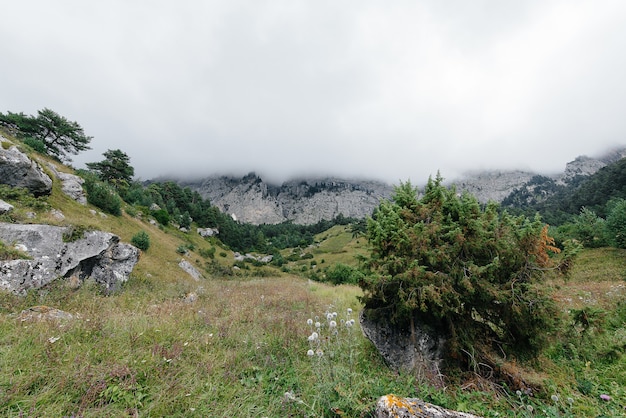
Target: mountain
<point x="499" y="185"/>
<point x="250" y="199"/>
<point x="305" y="201"/>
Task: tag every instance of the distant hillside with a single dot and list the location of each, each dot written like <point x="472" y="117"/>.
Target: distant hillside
<point x="558" y="202"/>
<point x="250" y="199"/>
<point x="516" y="186"/>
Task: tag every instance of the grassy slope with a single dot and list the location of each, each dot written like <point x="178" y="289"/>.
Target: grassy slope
<point x="241" y="345"/>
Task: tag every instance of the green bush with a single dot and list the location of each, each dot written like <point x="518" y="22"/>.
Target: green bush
<point x="343" y="274"/>
<point x="161" y="216"/>
<point x="141" y="240"/>
<point x="616" y="222"/>
<point x="36" y="144"/>
<point x="471" y="272"/>
<point x="23" y="197"/>
<point x="207" y="252"/>
<point x="101" y="194"/>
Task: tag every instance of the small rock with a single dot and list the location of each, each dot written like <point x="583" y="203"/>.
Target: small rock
<point x="57" y="214"/>
<point x="190" y="297"/>
<point x="42" y="313"/>
<point x="5" y="207"/>
<point x="190" y="269"/>
<point x="394" y="406"/>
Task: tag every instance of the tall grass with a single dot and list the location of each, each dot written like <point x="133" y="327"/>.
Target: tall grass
<point x="239" y="346"/>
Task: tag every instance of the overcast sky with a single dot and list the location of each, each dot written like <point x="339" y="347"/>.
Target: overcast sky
<point x="389" y="90"/>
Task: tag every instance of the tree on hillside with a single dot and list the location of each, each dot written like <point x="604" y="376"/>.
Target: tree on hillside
<point x="59" y="135"/>
<point x="468" y="272"/>
<point x="19" y="124"/>
<point x="115" y="168"/>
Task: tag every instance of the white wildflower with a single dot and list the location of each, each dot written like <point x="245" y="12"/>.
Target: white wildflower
<point x="317" y="325"/>
<point x="309" y="322"/>
<point x="310" y="353"/>
<point x="332" y="324"/>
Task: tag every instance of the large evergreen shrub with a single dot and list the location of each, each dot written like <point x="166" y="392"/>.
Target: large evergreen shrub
<point x="471" y="273"/>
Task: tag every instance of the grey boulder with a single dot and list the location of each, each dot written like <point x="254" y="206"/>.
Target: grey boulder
<point x="17" y="170"/>
<point x="97" y="255"/>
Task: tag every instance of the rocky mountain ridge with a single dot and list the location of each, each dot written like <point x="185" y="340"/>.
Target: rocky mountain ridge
<point x="305" y="201"/>
<point x="496" y="185"/>
<point x="250" y="199"/>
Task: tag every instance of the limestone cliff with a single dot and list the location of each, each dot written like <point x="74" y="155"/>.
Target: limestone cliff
<point x="250" y="199"/>
<point x="305" y="201"/>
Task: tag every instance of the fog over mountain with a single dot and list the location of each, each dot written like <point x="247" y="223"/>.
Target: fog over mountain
<point x="292" y="88"/>
<point x="252" y="199"/>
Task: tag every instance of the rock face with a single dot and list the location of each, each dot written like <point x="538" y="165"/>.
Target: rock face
<point x="392" y="406"/>
<point x="497" y="185"/>
<point x="98" y="255"/>
<point x="420" y="351"/>
<point x="249" y="199"/>
<point x="307" y="201"/>
<point x="71" y="185"/>
<point x="17" y="170"/>
<point x="493" y="185"/>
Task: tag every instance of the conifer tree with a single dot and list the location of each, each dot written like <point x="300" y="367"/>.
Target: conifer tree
<point x="471" y="273"/>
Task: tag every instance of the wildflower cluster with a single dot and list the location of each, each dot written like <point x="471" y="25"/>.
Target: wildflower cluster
<point x="331" y="343"/>
<point x="326" y="333"/>
<point x="548" y="410"/>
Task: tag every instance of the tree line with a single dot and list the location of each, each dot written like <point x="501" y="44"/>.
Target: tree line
<point x="590" y="209"/>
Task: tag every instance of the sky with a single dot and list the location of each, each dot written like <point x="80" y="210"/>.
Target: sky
<point x="388" y="90"/>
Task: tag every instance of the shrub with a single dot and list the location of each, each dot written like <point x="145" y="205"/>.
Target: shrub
<point x="141" y="240"/>
<point x="472" y="273"/>
<point x="102" y="195"/>
<point x="161" y="216"/>
<point x="616" y="222"/>
<point x="207" y="252"/>
<point x="23" y="197"/>
<point x="8" y="253"/>
<point x="75" y="232"/>
<point x="36" y="144"/>
<point x="342" y="273"/>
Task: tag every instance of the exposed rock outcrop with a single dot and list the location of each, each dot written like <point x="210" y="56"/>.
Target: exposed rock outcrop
<point x="498" y="184"/>
<point x="17" y="170"/>
<point x="71" y="185"/>
<point x="420" y="351"/>
<point x="493" y="185"/>
<point x="5" y="207"/>
<point x="44" y="313"/>
<point x="190" y="269"/>
<point x="251" y="200"/>
<point x="97" y="255"/>
<point x="208" y="232"/>
<point x="392" y="406"/>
